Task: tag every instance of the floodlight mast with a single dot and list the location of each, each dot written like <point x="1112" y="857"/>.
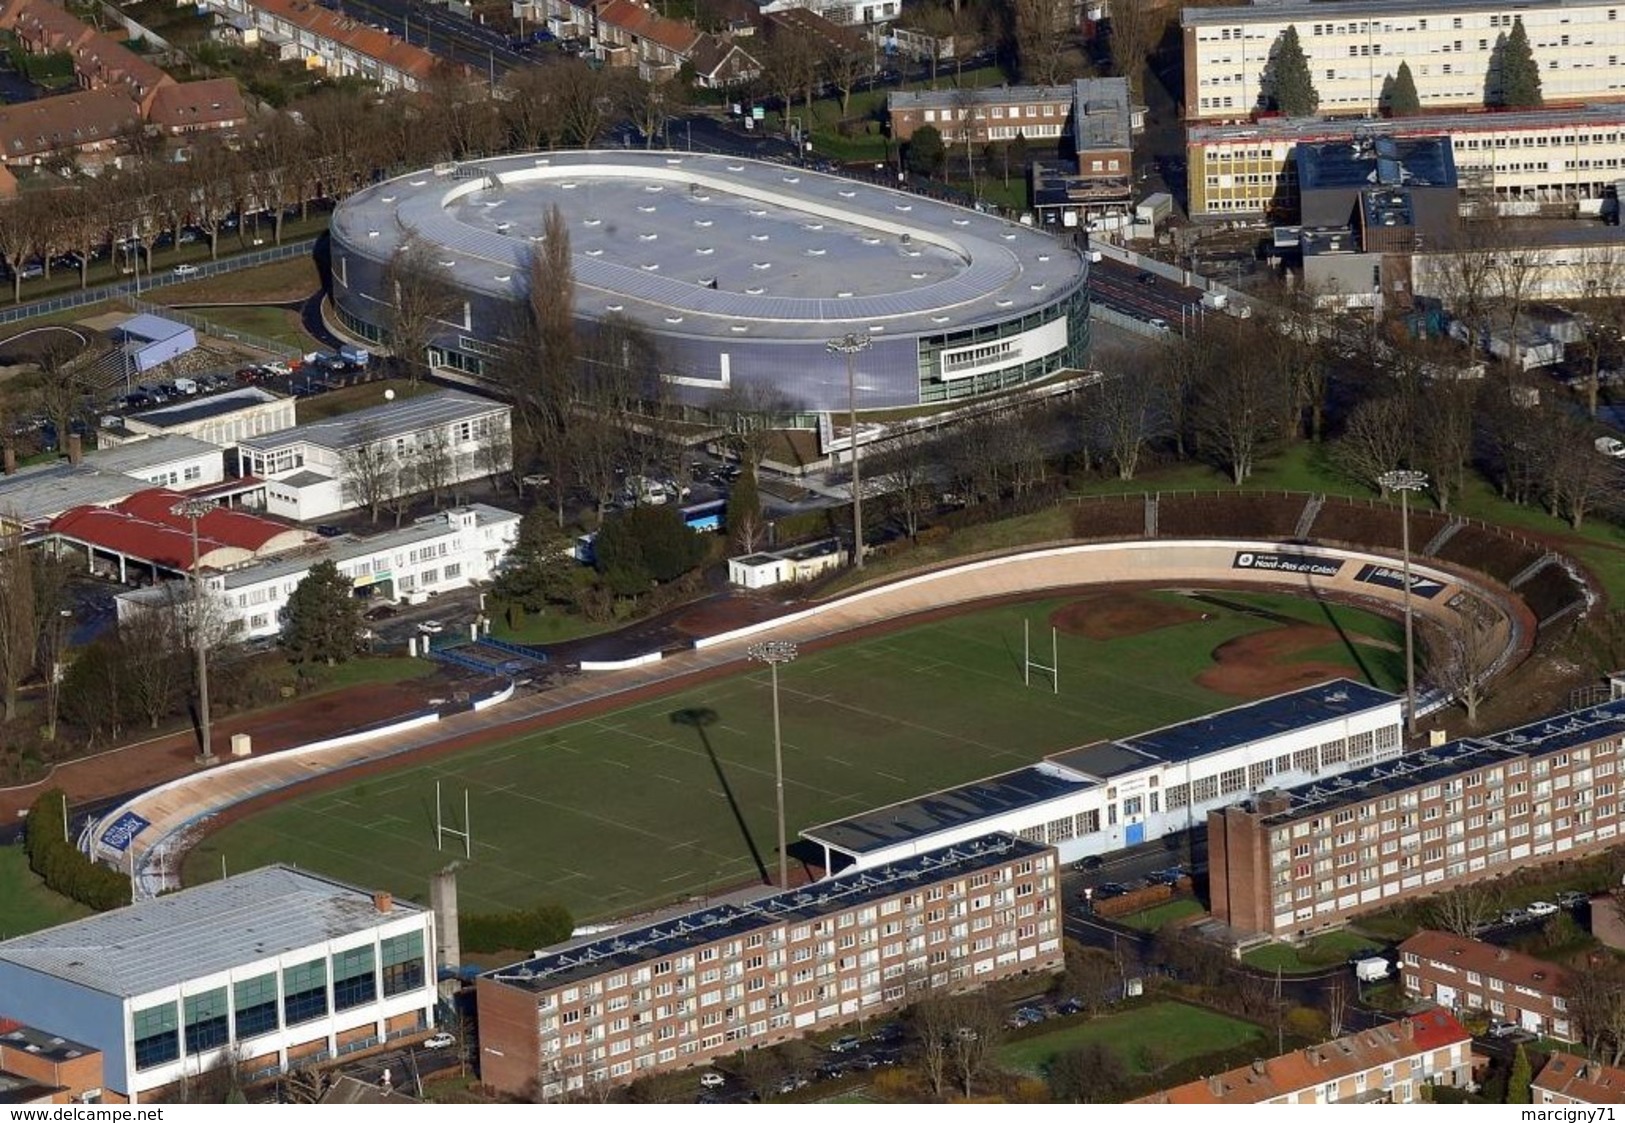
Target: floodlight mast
<point x="773" y="652"/>
<point x="193" y="510"/>
<point x="851" y="345"/>
<point x="1405" y="481"/>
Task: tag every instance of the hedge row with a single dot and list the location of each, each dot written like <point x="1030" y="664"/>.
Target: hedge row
<point x="62" y="865"/>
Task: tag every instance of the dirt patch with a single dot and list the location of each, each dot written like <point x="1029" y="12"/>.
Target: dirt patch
<point x="1115" y="615"/>
<point x="1255" y="665"/>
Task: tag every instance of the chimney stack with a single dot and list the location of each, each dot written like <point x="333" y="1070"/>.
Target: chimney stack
<point x="9" y="457"/>
<point x="1407" y="1028"/>
<point x="76" y="448"/>
<point x="383" y="902"/>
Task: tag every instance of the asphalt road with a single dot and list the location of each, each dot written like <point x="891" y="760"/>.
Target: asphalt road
<point x="442" y="32"/>
<point x="1118" y="286"/>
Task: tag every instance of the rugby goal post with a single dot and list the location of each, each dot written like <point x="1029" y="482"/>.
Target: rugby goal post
<point x="1029" y="665"/>
<point x="441" y="830"/>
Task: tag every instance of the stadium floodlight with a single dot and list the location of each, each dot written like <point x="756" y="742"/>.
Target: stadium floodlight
<point x="773" y="652"/>
<point x="851" y="345"/>
<point x="1405" y="481"/>
<point x="193" y="510"/>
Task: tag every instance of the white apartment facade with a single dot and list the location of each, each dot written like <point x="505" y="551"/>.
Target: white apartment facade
<point x="314" y="470"/>
<point x="280" y="966"/>
<point x="1353" y="46"/>
<point x="438" y="553"/>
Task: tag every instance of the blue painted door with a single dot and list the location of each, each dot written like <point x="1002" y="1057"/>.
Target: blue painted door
<point x="1135" y="835"/>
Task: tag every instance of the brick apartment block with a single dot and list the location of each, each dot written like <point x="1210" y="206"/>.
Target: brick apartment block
<point x="1459" y="973"/>
<point x="1568" y="1079"/>
<point x="1295" y="862"/>
<point x="689" y="988"/>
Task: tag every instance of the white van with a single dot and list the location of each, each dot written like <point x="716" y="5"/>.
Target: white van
<point x="186" y="385"/>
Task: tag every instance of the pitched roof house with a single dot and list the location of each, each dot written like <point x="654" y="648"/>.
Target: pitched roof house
<point x="189" y="107"/>
<point x="85" y="122"/>
<point x="1460" y="973"/>
<point x="1568" y="1079"/>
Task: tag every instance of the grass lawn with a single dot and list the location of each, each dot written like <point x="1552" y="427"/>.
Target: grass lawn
<point x="864" y="724"/>
<point x="547" y="627"/>
<point x="276" y="283"/>
<point x="1153" y="918"/>
<point x="1174" y="1030"/>
<point x="358" y="672"/>
<point x="26" y="905"/>
<point x="281" y="325"/>
<point x="1315" y="955"/>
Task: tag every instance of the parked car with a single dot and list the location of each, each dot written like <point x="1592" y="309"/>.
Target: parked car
<point x="1147" y="278"/>
<point x="382" y="612"/>
<point x="1169" y="876"/>
<point x="845" y="1045"/>
<point x="431" y="627"/>
<point x="1570" y="899"/>
<point x="440" y="1040"/>
<point x="1108" y="890"/>
<point x="327" y="530"/>
<point x="1608" y="446"/>
<point x="712" y="1080"/>
<point x="1542" y="908"/>
<point x="1159" y="324"/>
<point x="1516" y="916"/>
<point x="185" y="271"/>
<point x="1501" y="1029"/>
<point x="1092" y="862"/>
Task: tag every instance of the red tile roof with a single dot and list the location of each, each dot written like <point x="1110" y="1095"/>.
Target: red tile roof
<point x="229" y="528"/>
<point x="211" y="103"/>
<point x="1587" y="1082"/>
<point x="148" y="541"/>
<point x="641" y="23"/>
<point x="358" y="37"/>
<point x="1304" y="1069"/>
<point x="1466" y="954"/>
<point x="65" y="122"/>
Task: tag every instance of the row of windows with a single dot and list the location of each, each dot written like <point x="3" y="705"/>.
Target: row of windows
<point x="204" y="1020"/>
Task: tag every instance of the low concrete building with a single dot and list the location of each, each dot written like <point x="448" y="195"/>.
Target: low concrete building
<point x="1460" y="973"/>
<point x="438" y="553"/>
<point x="781" y="567"/>
<point x="219" y="419"/>
<point x="31" y="497"/>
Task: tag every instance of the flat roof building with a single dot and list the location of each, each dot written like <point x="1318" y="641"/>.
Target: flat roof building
<point x="355" y="459"/>
<point x="278" y="965"/>
<point x="220" y="419"/>
<point x="33" y="496"/>
<point x="740" y="271"/>
<point x="1353" y="46"/>
<point x="1105" y="796"/>
<point x="1293" y="862"/>
<point x="685" y="989"/>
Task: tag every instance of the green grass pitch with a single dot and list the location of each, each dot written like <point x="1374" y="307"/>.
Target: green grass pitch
<point x="630" y="809"/>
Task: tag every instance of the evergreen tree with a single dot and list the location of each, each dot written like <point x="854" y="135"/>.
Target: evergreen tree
<point x="1518" y="1082"/>
<point x="926" y="153"/>
<point x="1294" y="86"/>
<point x="1519" y="84"/>
<point x="323" y="617"/>
<point x="643" y="546"/>
<point x="1402" y="99"/>
<point x="539" y="569"/>
<point x="743" y="517"/>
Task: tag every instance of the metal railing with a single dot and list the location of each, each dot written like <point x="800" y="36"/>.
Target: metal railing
<point x="132" y="288"/>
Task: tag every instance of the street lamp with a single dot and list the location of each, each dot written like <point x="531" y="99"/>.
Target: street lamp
<point x="1405" y="481"/>
<point x="773" y="652"/>
<point x="193" y="510"/>
<point x="850" y="345"/>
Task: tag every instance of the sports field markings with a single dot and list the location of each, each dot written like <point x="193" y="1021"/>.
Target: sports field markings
<point x="838" y="760"/>
<point x="890" y="776"/>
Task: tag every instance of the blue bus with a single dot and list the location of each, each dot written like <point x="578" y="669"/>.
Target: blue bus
<point x="703" y="518"/>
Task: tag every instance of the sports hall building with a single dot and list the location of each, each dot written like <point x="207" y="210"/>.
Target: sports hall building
<point x="1113" y="794"/>
<point x="741" y="271"/>
<point x="272" y="968"/>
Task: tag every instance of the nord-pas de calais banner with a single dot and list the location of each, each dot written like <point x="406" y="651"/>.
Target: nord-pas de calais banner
<point x="1425" y="587"/>
<point x="123" y="830"/>
<point x="1287" y="563"/>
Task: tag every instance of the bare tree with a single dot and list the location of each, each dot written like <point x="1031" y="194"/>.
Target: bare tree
<point x="422" y="296"/>
<point x="1132" y="31"/>
<point x="1444" y="432"/>
<point x="904" y="465"/>
<point x="1337" y="1007"/>
<point x="1467" y="658"/>
<point x="153" y="665"/>
<point x="976" y="1037"/>
<point x="584" y="101"/>
<point x="1464" y="910"/>
<point x="1596" y="1001"/>
<point x="649" y="105"/>
<point x="367" y="468"/>
<point x="934" y="1020"/>
<point x="1127" y="409"/>
<point x="1577" y="478"/>
<point x="433" y="465"/>
<point x="1376" y="438"/>
<point x="529" y="106"/>
<point x="848" y="62"/>
<point x="1238" y="411"/>
<point x="404" y="482"/>
<point x="19" y="618"/>
<point x="1605" y="329"/>
<point x="1042" y="31"/>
